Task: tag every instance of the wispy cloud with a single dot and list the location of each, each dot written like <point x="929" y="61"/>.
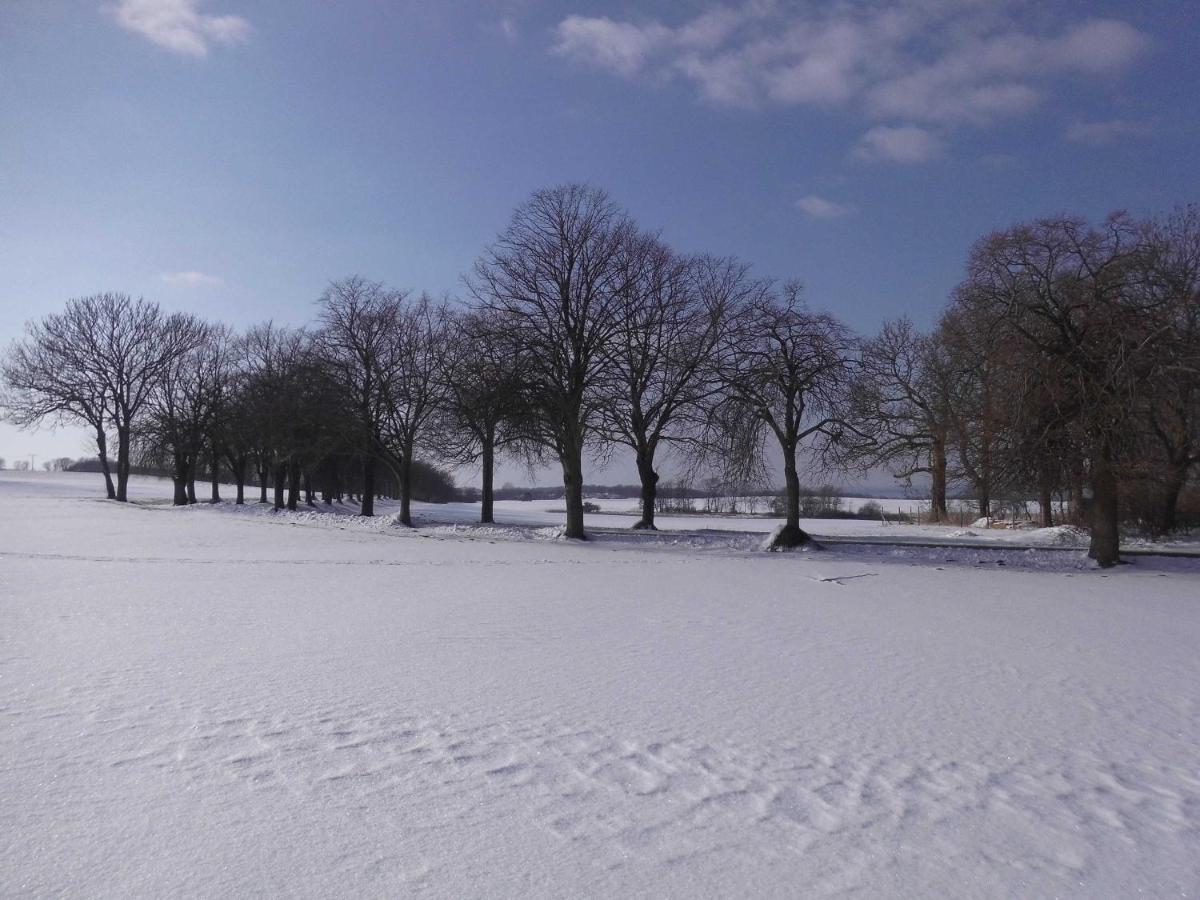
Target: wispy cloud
<point x="620" y="47"/>
<point x="898" y="143"/>
<point x="179" y="25"/>
<point x="191" y="279"/>
<point x="933" y="63"/>
<point x="1107" y="132"/>
<point x="944" y="61"/>
<point x="820" y="208"/>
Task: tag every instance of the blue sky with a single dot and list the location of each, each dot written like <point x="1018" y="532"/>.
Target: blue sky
<point x="229" y="157"/>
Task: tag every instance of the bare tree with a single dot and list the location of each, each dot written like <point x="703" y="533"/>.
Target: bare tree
<point x="186" y="402"/>
<point x="974" y="354"/>
<point x="485" y="408"/>
<point x="903" y="397"/>
<point x="1172" y="401"/>
<point x="97" y="361"/>
<point x="283" y="392"/>
<point x="1072" y="292"/>
<point x="555" y="278"/>
<point x="46" y="378"/>
<point x="361" y="344"/>
<point x="235" y="432"/>
<point x="672" y="311"/>
<point x="787" y="372"/>
<point x="415" y="391"/>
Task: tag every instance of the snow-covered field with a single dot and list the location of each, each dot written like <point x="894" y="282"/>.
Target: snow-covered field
<point x="213" y="701"/>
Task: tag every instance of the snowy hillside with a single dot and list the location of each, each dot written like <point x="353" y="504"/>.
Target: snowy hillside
<point x="212" y="701"/>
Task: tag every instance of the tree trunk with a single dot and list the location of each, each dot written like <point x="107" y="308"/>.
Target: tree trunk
<point x="649" y="479"/>
<point x="102" y="452"/>
<point x="215" y="476"/>
<point x="1168" y="514"/>
<point x="572" y="466"/>
<point x="1105" y="546"/>
<point x="293" y="486"/>
<point x="308" y="490"/>
<point x="262" y="480"/>
<point x="1046" y="505"/>
<point x="179" y="480"/>
<point x="122" y="463"/>
<point x="237" y="465"/>
<point x="405" y="475"/>
<point x="191" y="480"/>
<point x="791" y="535"/>
<point x="280" y="476"/>
<point x="368" y="489"/>
<point x="1077" y="501"/>
<point x="938" y="482"/>
<point x="487" y="495"/>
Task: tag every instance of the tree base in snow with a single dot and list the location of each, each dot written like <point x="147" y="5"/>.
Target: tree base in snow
<point x="643" y="525"/>
<point x="789" y="537"/>
<point x="1106" y="560"/>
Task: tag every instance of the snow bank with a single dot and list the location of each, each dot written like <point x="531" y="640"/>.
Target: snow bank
<point x="1063" y="535"/>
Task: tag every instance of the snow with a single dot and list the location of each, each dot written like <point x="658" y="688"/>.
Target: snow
<point x="213" y="701"/>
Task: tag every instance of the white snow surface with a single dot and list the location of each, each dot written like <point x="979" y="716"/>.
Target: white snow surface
<point x="221" y="701"/>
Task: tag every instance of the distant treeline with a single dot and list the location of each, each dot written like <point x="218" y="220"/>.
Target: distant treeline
<point x="430" y="484"/>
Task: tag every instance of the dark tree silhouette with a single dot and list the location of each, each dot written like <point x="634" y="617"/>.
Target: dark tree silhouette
<point x="663" y="356"/>
<point x="903" y="397"/>
<point x="361" y="345"/>
<point x="98" y="361"/>
<point x="555" y="278"/>
<point x="787" y="373"/>
<point x="414" y="393"/>
<point x="485" y="410"/>
<point x="1075" y="294"/>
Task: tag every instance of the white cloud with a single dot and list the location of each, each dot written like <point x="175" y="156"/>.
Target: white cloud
<point x="621" y="47"/>
<point x="1107" y="132"/>
<point x="820" y="208"/>
<point x="987" y="77"/>
<point x="508" y="28"/>
<point x="930" y="96"/>
<point x="1098" y="45"/>
<point x="179" y="26"/>
<point x="898" y="143"/>
<point x="191" y="279"/>
<point x="942" y="63"/>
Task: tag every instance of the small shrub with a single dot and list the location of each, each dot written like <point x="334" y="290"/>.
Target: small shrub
<point x="870" y="510"/>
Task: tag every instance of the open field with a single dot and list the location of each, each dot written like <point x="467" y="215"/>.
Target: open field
<point x="220" y="701"/>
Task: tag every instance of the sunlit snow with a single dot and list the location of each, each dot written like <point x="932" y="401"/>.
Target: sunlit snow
<point x="212" y="701"/>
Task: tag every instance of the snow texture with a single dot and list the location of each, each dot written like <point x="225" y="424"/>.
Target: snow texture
<point x="214" y="701"/>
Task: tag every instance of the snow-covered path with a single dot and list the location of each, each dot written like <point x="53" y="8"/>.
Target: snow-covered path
<point x="211" y="702"/>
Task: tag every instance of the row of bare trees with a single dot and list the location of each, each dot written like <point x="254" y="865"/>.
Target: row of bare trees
<point x="1065" y="361"/>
